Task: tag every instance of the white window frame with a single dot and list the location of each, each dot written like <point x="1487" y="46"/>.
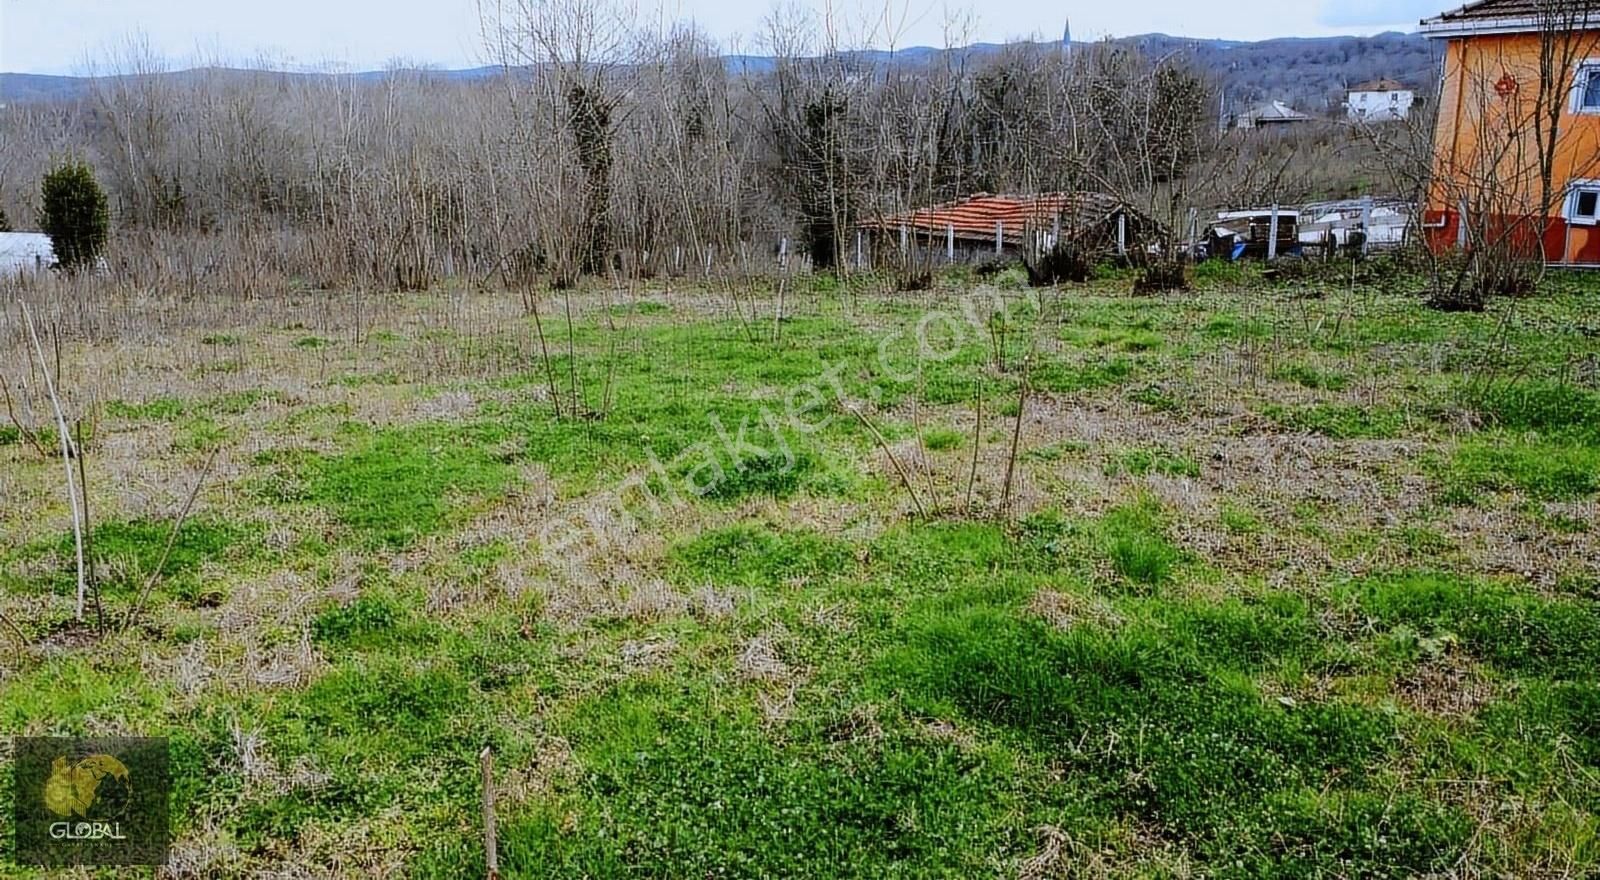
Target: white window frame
<point x="1589" y="67"/>
<point x="1569" y="211"/>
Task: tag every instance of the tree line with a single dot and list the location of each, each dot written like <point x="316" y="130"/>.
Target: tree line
<point x="603" y="148"/>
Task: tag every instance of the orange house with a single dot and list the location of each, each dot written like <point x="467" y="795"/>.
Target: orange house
<point x="1520" y="91"/>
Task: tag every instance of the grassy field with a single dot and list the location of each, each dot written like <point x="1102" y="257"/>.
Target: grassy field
<point x="1285" y="581"/>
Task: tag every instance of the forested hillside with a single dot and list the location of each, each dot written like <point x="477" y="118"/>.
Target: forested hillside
<point x="1310" y="73"/>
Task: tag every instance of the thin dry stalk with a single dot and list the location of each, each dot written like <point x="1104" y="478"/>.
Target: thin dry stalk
<point x="1016" y="439"/>
<point x="22" y="638"/>
<point x="905" y="478"/>
<point x="977" y="442"/>
<point x="23" y="430"/>
<point x="172" y="538"/>
<point x="922" y="443"/>
<point x="88" y="533"/>
<point x="66" y="456"/>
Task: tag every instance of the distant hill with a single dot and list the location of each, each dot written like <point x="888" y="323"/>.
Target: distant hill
<point x="1310" y="73"/>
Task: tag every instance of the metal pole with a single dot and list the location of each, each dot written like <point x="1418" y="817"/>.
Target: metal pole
<point x="950" y="242"/>
<point x="999" y="236"/>
<point x="903" y="235"/>
<point x="858" y="249"/>
<point x="1122" y="235"/>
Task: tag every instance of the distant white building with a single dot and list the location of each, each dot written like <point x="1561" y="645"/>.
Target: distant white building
<point x="1381" y="100"/>
<point x="25" y="252"/>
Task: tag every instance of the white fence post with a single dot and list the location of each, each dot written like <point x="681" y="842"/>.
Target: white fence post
<point x="1122" y="234"/>
<point x="999" y="236"/>
<point x="859" y="262"/>
<point x="950" y="242"/>
<point x="1366" y="224"/>
<point x="1272" y="235"/>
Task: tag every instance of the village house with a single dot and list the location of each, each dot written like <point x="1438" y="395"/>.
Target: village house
<point x="1379" y="100"/>
<point x="1273" y="114"/>
<point x="1494" y="129"/>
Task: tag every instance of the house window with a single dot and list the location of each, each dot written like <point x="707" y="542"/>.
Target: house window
<point x="1583" y="206"/>
<point x="1586" y="89"/>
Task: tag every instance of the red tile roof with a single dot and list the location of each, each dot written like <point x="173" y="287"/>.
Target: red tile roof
<point x="1486" y="12"/>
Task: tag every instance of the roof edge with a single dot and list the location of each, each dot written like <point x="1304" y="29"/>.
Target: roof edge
<point x="1439" y="28"/>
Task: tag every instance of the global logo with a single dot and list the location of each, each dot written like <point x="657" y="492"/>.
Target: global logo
<point x="90" y="800"/>
<point x="73" y="789"/>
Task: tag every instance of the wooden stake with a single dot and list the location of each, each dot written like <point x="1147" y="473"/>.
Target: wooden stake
<point x="491" y="848"/>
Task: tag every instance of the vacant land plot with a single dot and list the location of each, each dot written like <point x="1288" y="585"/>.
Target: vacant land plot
<point x="1256" y="581"/>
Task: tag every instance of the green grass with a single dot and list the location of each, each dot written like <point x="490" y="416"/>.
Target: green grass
<point x="1535" y="405"/>
<point x="1308" y="376"/>
<point x="1545" y="470"/>
<point x="756" y="556"/>
<point x="1197" y="735"/>
<point x="1341" y="421"/>
<point x="672" y="789"/>
<point x="1062" y="378"/>
<point x="1556" y="638"/>
<point x="395" y="486"/>
<point x="1133" y="539"/>
<point x="1141" y="462"/>
<point x="1199" y="644"/>
<point x="940" y="439"/>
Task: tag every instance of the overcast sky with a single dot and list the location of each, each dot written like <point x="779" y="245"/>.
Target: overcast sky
<point x="57" y="36"/>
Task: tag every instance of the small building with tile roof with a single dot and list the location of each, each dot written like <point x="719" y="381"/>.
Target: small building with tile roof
<point x="1270" y="115"/>
<point x="986" y="225"/>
